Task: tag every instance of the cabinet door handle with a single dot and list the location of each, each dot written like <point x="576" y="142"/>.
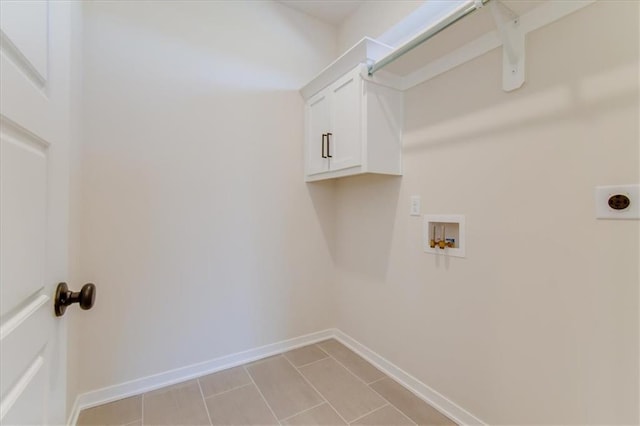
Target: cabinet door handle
<point x="329" y="146"/>
<point x="323" y="136"/>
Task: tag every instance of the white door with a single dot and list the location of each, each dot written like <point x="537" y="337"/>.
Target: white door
<point x="34" y="174"/>
<point x="318" y="125"/>
<point x="345" y="144"/>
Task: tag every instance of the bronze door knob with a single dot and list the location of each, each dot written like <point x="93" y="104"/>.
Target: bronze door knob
<point x="65" y="297"/>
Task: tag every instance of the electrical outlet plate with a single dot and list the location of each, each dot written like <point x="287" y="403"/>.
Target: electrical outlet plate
<point x="604" y="211"/>
<point x="414" y="208"/>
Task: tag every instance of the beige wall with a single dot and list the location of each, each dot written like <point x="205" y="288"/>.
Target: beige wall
<point x="539" y="324"/>
<point x="194" y="220"/>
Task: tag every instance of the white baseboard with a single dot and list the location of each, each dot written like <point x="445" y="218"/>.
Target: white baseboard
<point x="167" y="378"/>
<point x="422" y="391"/>
<point x="157" y="381"/>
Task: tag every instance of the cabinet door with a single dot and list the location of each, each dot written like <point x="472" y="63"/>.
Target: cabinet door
<point x="345" y="143"/>
<point x="318" y="124"/>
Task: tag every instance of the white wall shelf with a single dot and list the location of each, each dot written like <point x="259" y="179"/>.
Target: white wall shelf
<point x="499" y="24"/>
<point x="353" y="116"/>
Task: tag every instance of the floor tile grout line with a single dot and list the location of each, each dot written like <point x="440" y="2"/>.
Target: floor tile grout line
<point x="227" y="391"/>
<point x="261" y="360"/>
<point x="261" y="394"/>
<point x="370" y="412"/>
<point x="403" y="387"/>
<point x="372" y="389"/>
<point x="326" y="355"/>
<point x="304" y="411"/>
<point x="398" y="408"/>
<point x="351" y="372"/>
<point x="393" y="405"/>
<point x="309" y="363"/>
<point x="378" y="380"/>
<point x="317" y="345"/>
<point x="204" y="402"/>
<point x="297" y="369"/>
<point x="385" y="376"/>
<point x="319" y="393"/>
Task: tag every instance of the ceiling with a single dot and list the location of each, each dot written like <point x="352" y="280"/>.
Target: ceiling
<point x="331" y="11"/>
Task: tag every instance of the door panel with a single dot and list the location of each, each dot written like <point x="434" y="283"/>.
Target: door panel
<point x="34" y="175"/>
<point x="24" y="335"/>
<point x="346" y="144"/>
<point x="318" y="123"/>
<point x="25" y="30"/>
<point x="25" y="404"/>
<point x="23" y="186"/>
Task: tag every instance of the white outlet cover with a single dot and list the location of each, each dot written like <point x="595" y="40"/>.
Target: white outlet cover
<point x="414" y="207"/>
<point x="602" y="195"/>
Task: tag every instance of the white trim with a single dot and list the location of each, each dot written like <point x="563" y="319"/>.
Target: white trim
<point x="75" y="412"/>
<point x="364" y="51"/>
<point x="157" y="381"/>
<point x="22" y="315"/>
<point x="421" y="390"/>
<point x="18" y="389"/>
<point x="167" y="378"/>
<point x="17" y="134"/>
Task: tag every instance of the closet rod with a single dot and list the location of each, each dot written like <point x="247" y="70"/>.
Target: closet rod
<point x="449" y="20"/>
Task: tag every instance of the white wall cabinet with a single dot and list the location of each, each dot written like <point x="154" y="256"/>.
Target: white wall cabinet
<point x="353" y="126"/>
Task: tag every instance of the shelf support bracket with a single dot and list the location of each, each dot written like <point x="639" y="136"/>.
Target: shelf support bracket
<point x="512" y="36"/>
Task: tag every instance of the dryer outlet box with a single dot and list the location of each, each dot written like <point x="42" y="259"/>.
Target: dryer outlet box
<point x="617" y="202"/>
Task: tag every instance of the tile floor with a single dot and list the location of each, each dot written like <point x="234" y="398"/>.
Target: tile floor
<point x="321" y="384"/>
